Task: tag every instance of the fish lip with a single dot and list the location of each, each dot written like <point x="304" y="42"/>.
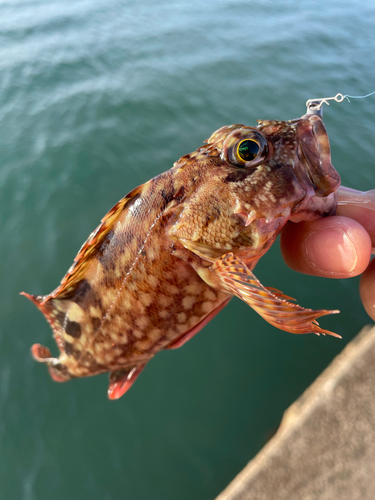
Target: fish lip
<point x="314" y="111"/>
<point x="314" y="154"/>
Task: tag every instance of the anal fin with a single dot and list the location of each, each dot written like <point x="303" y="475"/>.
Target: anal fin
<point x="120" y="381"/>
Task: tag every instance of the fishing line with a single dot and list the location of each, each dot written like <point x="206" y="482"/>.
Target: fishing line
<point x="316" y="104"/>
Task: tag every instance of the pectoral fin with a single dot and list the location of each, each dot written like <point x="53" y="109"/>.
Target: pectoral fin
<point x="232" y="275"/>
<point x="203" y="251"/>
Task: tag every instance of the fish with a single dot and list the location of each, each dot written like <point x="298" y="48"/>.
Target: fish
<point x="172" y="253"/>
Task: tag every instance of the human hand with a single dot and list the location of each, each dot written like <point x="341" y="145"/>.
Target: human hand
<point x="338" y="246"/>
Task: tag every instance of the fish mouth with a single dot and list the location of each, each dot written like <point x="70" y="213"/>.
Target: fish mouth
<point x="314" y="170"/>
<point x="315" y="154"/>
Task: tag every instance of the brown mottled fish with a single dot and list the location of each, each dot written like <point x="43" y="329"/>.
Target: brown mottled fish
<point x="172" y="253"/>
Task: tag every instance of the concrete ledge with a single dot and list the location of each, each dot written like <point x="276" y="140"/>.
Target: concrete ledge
<point x="325" y="446"/>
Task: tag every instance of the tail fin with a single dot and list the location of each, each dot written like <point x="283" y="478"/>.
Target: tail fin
<point x="42" y="354"/>
<point x="55" y="312"/>
<point x="56" y="369"/>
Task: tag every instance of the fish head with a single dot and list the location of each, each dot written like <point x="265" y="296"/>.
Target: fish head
<point x="249" y="181"/>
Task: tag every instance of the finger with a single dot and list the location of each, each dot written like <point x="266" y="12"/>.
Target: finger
<point x="333" y="247"/>
<point x="367" y="289"/>
<point x="360" y="206"/>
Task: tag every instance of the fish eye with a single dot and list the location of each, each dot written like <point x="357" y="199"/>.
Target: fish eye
<point x="248" y="149"/>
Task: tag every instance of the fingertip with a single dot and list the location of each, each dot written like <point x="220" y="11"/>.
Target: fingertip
<point x="335" y="247"/>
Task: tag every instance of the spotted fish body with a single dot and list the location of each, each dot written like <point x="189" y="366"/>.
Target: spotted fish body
<point x="172" y="253"/>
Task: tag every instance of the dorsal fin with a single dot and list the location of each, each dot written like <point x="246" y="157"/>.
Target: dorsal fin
<point x="92" y="245"/>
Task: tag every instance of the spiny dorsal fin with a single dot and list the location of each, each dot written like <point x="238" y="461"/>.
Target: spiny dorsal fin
<point x="91" y="247"/>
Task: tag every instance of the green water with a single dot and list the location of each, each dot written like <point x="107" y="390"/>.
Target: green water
<point x="96" y="97"/>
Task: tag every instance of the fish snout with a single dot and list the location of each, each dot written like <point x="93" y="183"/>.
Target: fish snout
<point x="315" y="155"/>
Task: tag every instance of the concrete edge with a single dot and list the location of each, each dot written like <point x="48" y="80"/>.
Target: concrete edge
<point x="297" y="414"/>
